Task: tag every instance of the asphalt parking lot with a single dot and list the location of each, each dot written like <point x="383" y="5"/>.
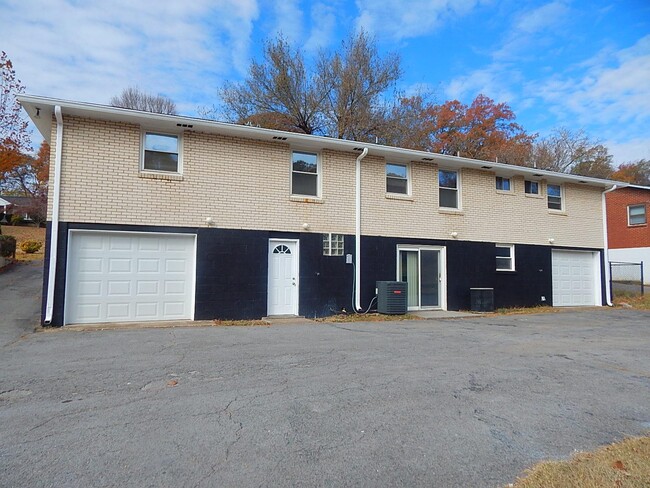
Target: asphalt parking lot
<point x="465" y="402"/>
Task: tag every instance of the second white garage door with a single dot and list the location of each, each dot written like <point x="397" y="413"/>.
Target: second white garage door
<point x="129" y="276"/>
<point x="576" y="278"/>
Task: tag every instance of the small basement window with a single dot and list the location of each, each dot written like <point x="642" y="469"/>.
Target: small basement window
<point x="503" y="184"/>
<point x="161" y="153"/>
<point x="333" y="244"/>
<point x="505" y="257"/>
<point x="531" y="187"/>
<point x="554" y="194"/>
<point x="636" y="215"/>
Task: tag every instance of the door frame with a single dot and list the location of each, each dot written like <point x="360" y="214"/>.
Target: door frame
<point x="79" y="232"/>
<point x="442" y="270"/>
<point x="273" y="242"/>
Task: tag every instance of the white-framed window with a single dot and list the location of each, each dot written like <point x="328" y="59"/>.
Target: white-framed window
<point x="305" y="174"/>
<point x="636" y="214"/>
<point x="397" y="178"/>
<point x="333" y="244"/>
<point x="531" y="187"/>
<point x="505" y="257"/>
<point x="554" y="196"/>
<point x="503" y="184"/>
<point x="448" y="183"/>
<point x="161" y="152"/>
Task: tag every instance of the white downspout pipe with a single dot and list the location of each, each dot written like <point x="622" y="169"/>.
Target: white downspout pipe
<point x="54" y="229"/>
<point x="357" y="234"/>
<point x="608" y="289"/>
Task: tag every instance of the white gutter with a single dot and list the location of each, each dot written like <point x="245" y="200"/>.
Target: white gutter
<point x="54" y="229"/>
<point x="357" y="234"/>
<point x="608" y="289"/>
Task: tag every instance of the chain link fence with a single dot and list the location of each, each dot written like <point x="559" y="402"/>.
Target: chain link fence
<point x="626" y="278"/>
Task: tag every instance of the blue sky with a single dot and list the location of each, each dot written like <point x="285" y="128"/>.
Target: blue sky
<point x="576" y="64"/>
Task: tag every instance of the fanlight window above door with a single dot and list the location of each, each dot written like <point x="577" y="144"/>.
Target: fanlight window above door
<point x="281" y="249"/>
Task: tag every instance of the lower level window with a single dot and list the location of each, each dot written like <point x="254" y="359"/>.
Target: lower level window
<point x="505" y="254"/>
<point x="333" y="244"/>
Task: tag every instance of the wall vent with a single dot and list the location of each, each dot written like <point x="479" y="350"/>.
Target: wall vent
<point x="392" y="297"/>
<point x="279" y="138"/>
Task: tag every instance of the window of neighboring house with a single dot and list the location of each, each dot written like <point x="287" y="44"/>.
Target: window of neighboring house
<point x="503" y="184"/>
<point x="636" y="215"/>
<point x="397" y="178"/>
<point x="448" y="188"/>
<point x="531" y="187"/>
<point x="554" y="194"/>
<point x="161" y="153"/>
<point x="304" y="174"/>
<point x="333" y="244"/>
<point x="505" y="257"/>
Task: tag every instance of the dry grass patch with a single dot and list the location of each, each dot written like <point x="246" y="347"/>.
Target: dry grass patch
<point x="625" y="464"/>
<point x="641" y="302"/>
<point x="239" y="323"/>
<point x="368" y="317"/>
<point x="527" y="310"/>
<point x="26" y="233"/>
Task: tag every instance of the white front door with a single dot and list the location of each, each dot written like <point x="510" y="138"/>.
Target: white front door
<point x="283" y="277"/>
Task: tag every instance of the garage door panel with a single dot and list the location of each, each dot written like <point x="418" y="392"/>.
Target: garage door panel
<point x="574" y="278"/>
<point x="115" y="278"/>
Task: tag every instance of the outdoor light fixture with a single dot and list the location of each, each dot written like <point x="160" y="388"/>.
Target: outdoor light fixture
<point x="209" y="221"/>
<point x="454" y="234"/>
<point x="306" y="226"/>
<point x="551" y="240"/>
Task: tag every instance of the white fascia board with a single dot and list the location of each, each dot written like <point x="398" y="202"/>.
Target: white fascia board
<point x="177" y="123"/>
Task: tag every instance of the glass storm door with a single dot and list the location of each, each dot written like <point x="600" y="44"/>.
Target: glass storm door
<point x="420" y="268"/>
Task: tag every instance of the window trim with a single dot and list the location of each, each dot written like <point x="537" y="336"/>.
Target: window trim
<point x="327" y="236"/>
<point x="458" y="206"/>
<point x="408" y="178"/>
<point x="179" y="148"/>
<point x="531" y="194"/>
<point x="510" y="189"/>
<point x="511" y="247"/>
<point x="561" y="197"/>
<point x="319" y="173"/>
<point x="645" y="215"/>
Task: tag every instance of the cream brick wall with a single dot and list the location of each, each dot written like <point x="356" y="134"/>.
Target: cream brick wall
<point x="245" y="184"/>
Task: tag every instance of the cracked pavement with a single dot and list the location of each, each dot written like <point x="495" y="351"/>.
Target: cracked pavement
<point x="464" y="402"/>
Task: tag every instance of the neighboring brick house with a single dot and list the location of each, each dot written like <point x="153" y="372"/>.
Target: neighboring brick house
<point x="628" y="232"/>
<point x="158" y="217"/>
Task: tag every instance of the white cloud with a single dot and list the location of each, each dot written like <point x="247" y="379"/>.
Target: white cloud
<point x="92" y="50"/>
<point x="625" y="150"/>
<point x="323" y="21"/>
<point x="288" y="19"/>
<point x="400" y="20"/>
<point x="491" y="81"/>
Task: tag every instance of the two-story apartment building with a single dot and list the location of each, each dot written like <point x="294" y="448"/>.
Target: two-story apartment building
<point x="627" y="226"/>
<point x="158" y="217"/>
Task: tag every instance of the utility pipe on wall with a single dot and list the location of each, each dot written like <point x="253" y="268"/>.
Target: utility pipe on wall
<point x="357" y="234"/>
<point x="54" y="228"/>
<point x="608" y="288"/>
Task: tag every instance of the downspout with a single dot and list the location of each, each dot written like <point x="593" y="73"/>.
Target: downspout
<point x="54" y="229"/>
<point x="608" y="289"/>
<point x="357" y="234"/>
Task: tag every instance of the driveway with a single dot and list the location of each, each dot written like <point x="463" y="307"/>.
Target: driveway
<point x="466" y="402"/>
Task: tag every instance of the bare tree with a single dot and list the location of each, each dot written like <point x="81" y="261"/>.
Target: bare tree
<point x="570" y="151"/>
<point x="357" y="77"/>
<point x="136" y="99"/>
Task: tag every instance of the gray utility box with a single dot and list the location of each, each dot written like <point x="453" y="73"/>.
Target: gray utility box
<point x="392" y="297"/>
<point x="481" y="299"/>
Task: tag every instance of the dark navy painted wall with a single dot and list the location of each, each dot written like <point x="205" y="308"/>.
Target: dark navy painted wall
<point x="232" y="271"/>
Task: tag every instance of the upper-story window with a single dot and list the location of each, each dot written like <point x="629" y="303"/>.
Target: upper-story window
<point x="531" y="187"/>
<point x="448" y="188"/>
<point x="636" y="215"/>
<point x="554" y="194"/>
<point x="305" y="171"/>
<point x="397" y="178"/>
<point x="503" y="184"/>
<point x="161" y="152"/>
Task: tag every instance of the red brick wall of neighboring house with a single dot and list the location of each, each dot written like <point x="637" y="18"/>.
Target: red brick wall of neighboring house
<point x="619" y="233"/>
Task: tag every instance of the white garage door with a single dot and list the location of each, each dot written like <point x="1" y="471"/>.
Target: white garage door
<point x="575" y="278"/>
<point x="128" y="276"/>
